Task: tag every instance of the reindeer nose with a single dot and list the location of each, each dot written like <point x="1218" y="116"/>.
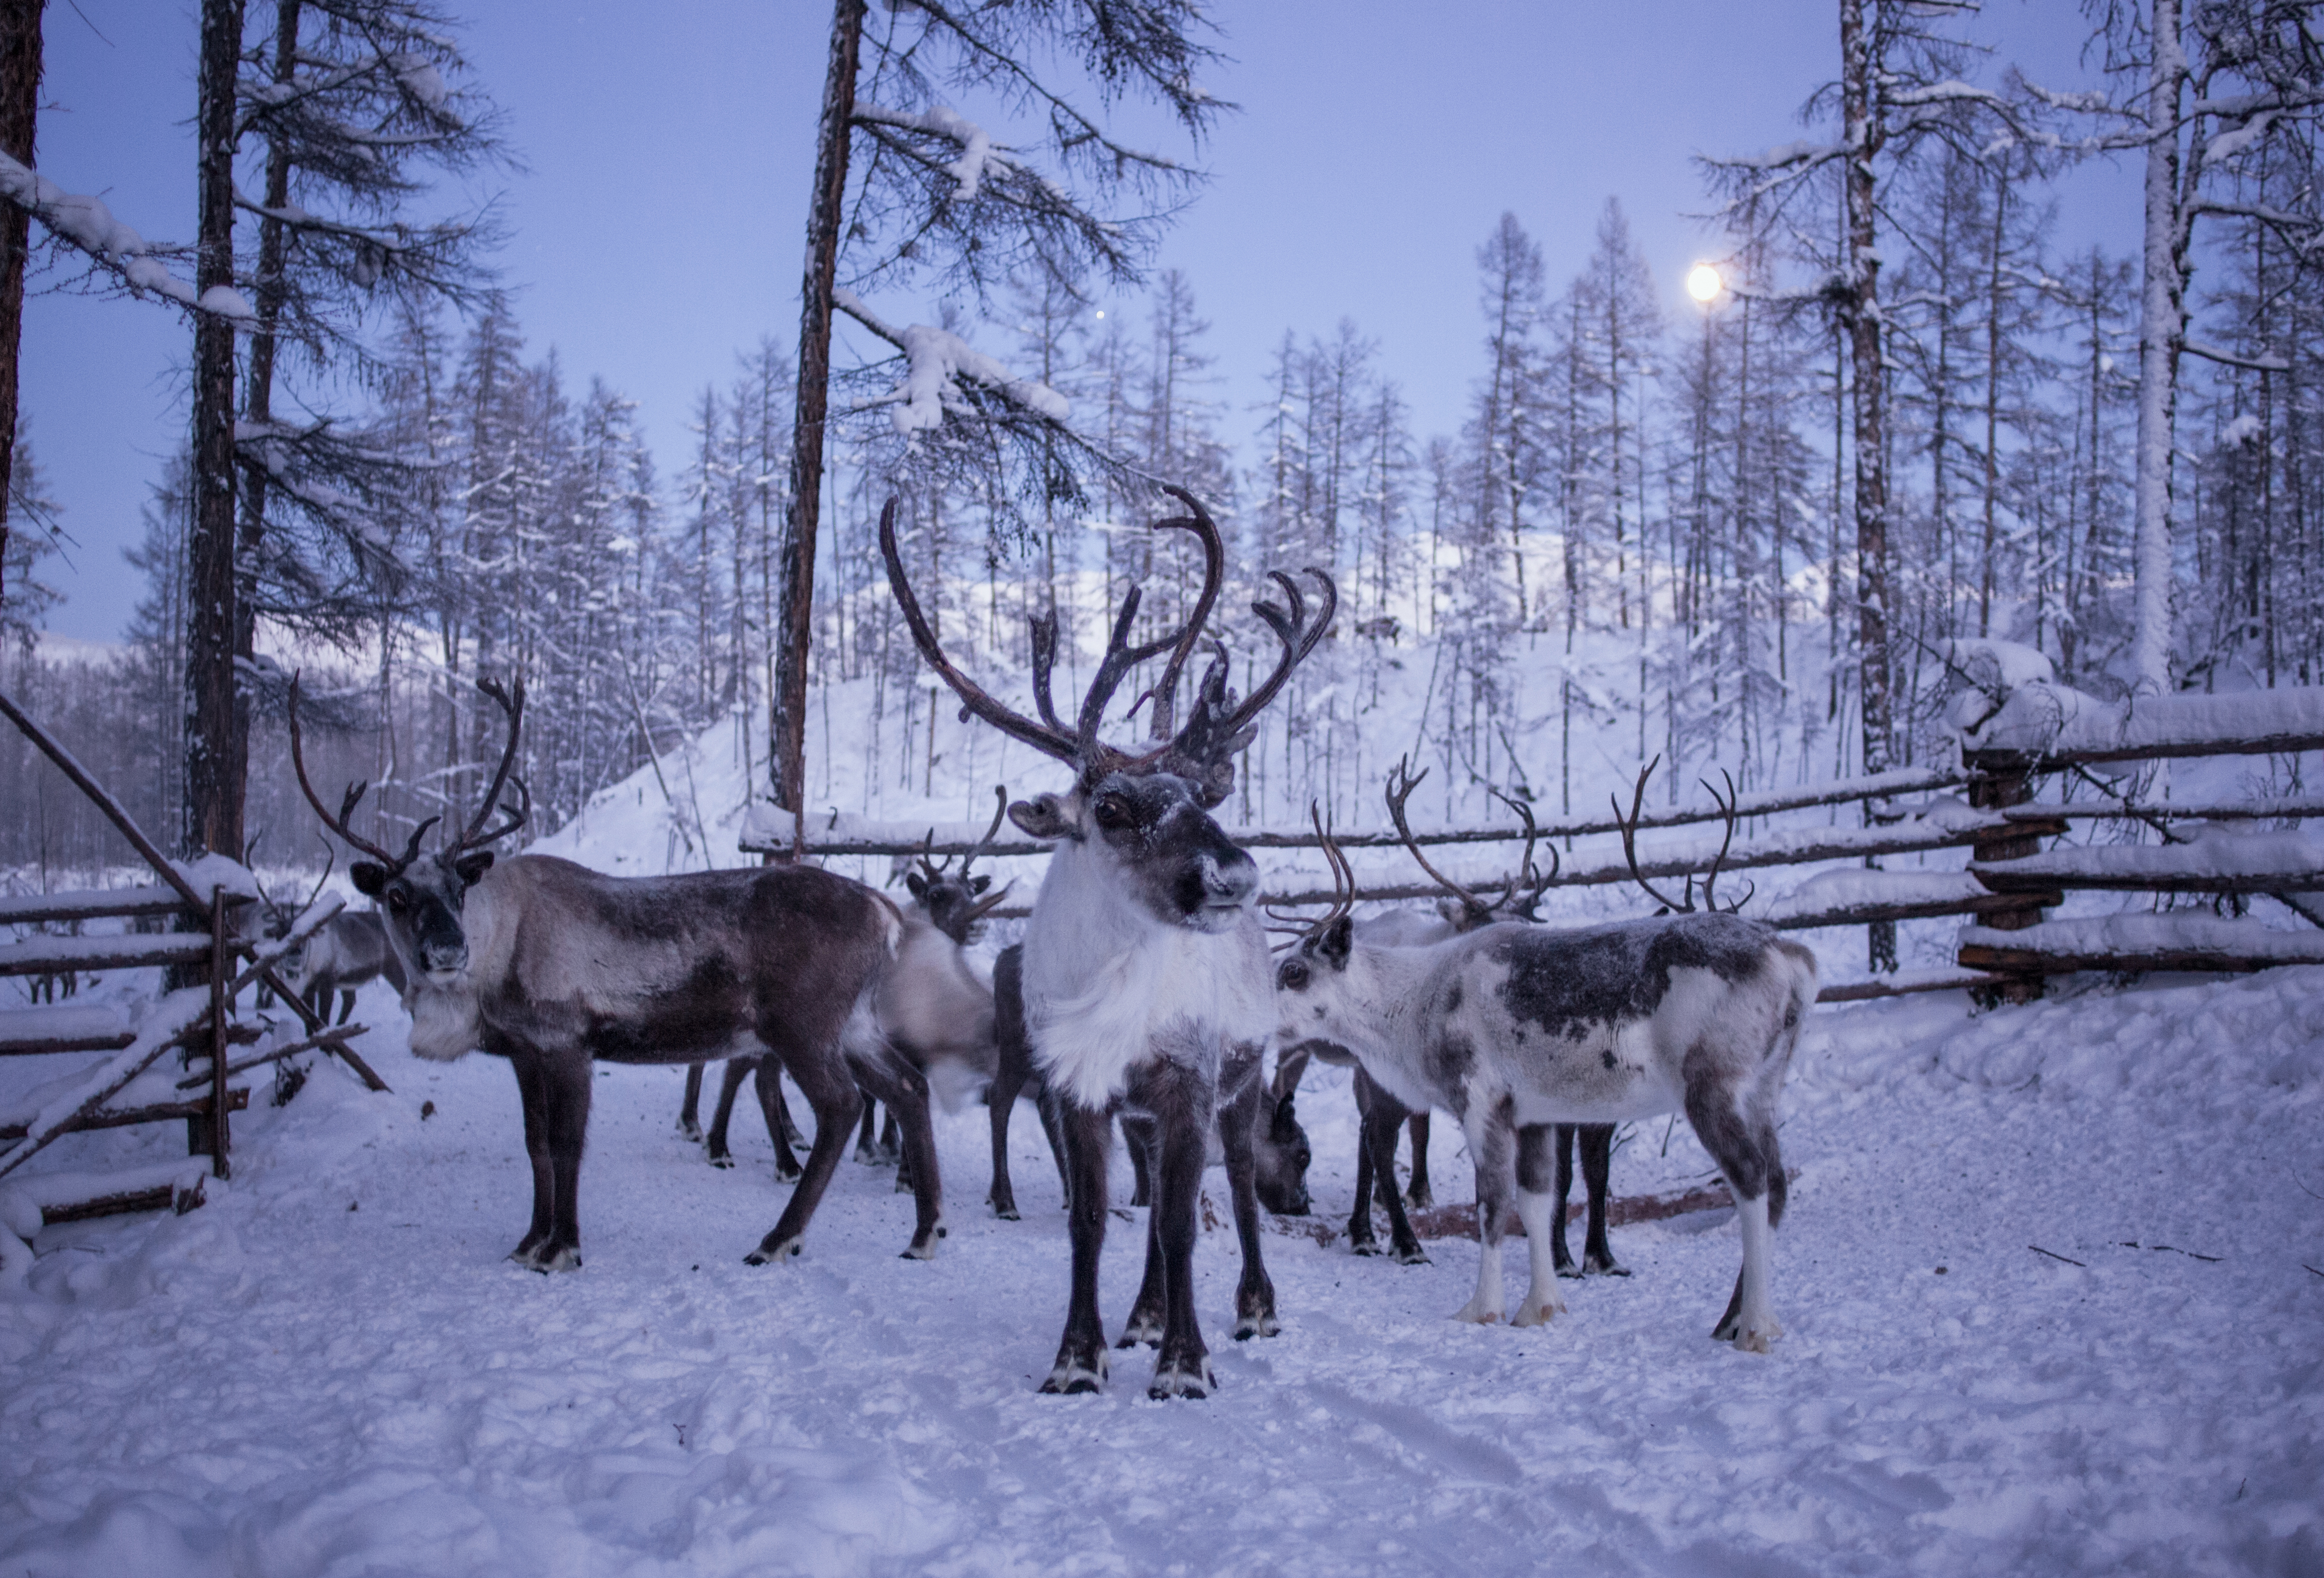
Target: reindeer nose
<point x="1228" y="882"/>
<point x="443" y="957"/>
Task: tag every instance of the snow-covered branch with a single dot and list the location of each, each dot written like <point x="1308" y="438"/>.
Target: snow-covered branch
<point x="2234" y="359"/>
<point x="85" y="224"/>
<point x="937" y="361"/>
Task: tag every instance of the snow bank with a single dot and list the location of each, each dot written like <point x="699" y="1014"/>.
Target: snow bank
<point x="2042" y="719"/>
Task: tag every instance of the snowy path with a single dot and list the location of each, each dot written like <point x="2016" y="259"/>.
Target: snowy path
<point x="279" y="1384"/>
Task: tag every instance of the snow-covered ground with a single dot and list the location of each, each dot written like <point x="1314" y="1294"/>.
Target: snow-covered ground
<point x="331" y="1370"/>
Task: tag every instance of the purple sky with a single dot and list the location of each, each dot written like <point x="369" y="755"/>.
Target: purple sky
<point x="658" y="227"/>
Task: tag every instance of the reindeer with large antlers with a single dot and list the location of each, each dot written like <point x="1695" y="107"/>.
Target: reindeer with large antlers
<point x="1518" y="1029"/>
<point x="553" y="966"/>
<point x="1144" y="974"/>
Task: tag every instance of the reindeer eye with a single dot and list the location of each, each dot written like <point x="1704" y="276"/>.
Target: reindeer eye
<point x="1113" y="811"/>
<point x="398" y="899"/>
<point x="1293" y="976"/>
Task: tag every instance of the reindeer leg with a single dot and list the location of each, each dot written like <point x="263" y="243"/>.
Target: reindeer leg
<point x="1141" y="1159"/>
<point x="867" y="1148"/>
<point x="832" y="1092"/>
<point x="1149" y="1311"/>
<point x="1238" y="1123"/>
<point x="1535" y="1171"/>
<point x="1000" y="1100"/>
<point x="767" y="1081"/>
<point x="346" y="1006"/>
<point x="1743" y="1143"/>
<point x="1379" y="1140"/>
<point x="1081" y="1364"/>
<point x="532" y="1094"/>
<point x="1419" y="1193"/>
<point x="689" y="1115"/>
<point x="1369" y="1100"/>
<point x="555" y="1088"/>
<point x="1597" y="1173"/>
<point x="894" y="1080"/>
<point x="1182" y="1102"/>
<point x="1559" y="1253"/>
<point x="1492" y="1141"/>
<point x="1052" y="1124"/>
<point x="732" y="1075"/>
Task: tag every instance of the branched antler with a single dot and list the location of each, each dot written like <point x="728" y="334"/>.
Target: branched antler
<point x="476" y="836"/>
<point x="354" y="795"/>
<point x="1534" y="883"/>
<point x="1727" y="803"/>
<point x="1474" y="911"/>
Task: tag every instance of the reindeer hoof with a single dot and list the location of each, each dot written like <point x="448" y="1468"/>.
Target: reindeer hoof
<point x="1261" y="1324"/>
<point x="923" y="1248"/>
<point x="722" y="1162"/>
<point x="1364" y="1247"/>
<point x="1530" y="1314"/>
<point x="1477" y="1314"/>
<point x="786" y="1175"/>
<point x="1007" y="1213"/>
<point x="774" y="1250"/>
<point x="1145" y="1326"/>
<point x="691" y="1131"/>
<point x="547" y="1256"/>
<point x="1182" y="1379"/>
<point x="1413" y="1255"/>
<point x="1073" y="1377"/>
<point x="1591" y="1266"/>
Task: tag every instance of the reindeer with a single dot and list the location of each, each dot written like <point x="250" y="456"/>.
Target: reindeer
<point x="946" y="899"/>
<point x="1145" y="972"/>
<point x="1460" y="911"/>
<point x="1516" y="1028"/>
<point x="349" y="952"/>
<point x="553" y="966"/>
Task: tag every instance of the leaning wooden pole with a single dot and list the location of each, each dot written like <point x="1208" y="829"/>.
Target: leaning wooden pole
<point x="795" y="554"/>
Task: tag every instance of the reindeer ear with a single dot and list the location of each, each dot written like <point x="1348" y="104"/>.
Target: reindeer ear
<point x="1337" y="941"/>
<point x="1041" y="818"/>
<point x="918" y="883"/>
<point x="978" y="884"/>
<point x="471" y="867"/>
<point x="369" y="877"/>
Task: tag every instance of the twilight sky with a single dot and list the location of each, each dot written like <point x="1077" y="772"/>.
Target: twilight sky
<point x="657" y="225"/>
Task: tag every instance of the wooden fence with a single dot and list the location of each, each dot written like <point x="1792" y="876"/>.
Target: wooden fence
<point x="2039" y="734"/>
<point x="199" y="1021"/>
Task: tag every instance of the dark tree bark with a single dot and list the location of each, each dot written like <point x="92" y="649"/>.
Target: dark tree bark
<point x="216" y="728"/>
<point x="795" y="554"/>
<point x="258" y="400"/>
<point x="20" y="105"/>
<point x="1863" y="137"/>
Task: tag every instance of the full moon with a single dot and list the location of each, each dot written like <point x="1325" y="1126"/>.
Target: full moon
<point x="1703" y="283"/>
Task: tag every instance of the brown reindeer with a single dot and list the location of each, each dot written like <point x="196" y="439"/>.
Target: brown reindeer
<point x="1144" y="977"/>
<point x="554" y="967"/>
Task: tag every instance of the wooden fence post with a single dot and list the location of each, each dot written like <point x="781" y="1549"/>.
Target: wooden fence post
<point x="2002" y="781"/>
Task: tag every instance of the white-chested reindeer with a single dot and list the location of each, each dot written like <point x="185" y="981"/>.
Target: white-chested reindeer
<point x="1515" y="1029"/>
<point x="1146" y="977"/>
<point x="552" y="965"/>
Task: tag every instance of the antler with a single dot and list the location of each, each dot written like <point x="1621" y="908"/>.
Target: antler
<point x="330" y="859"/>
<point x="1726" y="804"/>
<point x="1343" y="878"/>
<point x="1524" y="871"/>
<point x="354" y="795"/>
<point x="475" y="836"/>
<point x="1216" y="727"/>
<point x="1401" y="782"/>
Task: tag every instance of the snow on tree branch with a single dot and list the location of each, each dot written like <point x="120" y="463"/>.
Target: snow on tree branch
<point x="936" y="361"/>
<point x="85" y="224"/>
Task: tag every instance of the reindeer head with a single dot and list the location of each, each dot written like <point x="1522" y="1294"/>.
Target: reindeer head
<point x="1142" y="817"/>
<point x="423" y="899"/>
<point x="954" y="899"/>
<point x="1320" y="1006"/>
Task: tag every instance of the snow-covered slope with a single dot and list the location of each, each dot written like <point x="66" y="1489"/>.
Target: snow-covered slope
<point x="2048" y="1280"/>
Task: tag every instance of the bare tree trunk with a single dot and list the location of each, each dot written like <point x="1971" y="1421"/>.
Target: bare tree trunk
<point x="1871" y="400"/>
<point x="258" y="400"/>
<point x="20" y="105"/>
<point x="216" y="731"/>
<point x="795" y="614"/>
<point x="2161" y="332"/>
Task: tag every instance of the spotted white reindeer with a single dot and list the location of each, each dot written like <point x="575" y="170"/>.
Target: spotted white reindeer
<point x="1146" y="977"/>
<point x="553" y="966"/>
<point x="1515" y="1029"/>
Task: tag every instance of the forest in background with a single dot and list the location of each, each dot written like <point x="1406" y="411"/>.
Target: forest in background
<point x="1672" y="527"/>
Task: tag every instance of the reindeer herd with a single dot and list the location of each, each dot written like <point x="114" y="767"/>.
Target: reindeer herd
<point x="1143" y="992"/>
